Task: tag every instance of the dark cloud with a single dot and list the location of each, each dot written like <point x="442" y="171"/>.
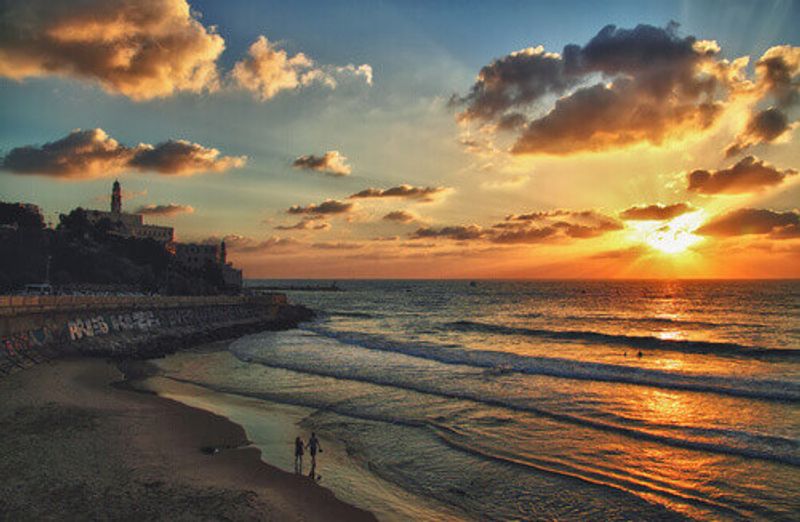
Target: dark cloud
<point x="92" y="153"/>
<point x="778" y="81"/>
<point x="400" y="216"/>
<point x="763" y="127"/>
<point x="171" y="209"/>
<point x="778" y="72"/>
<point x="402" y="191"/>
<point x="182" y="157"/>
<point x="748" y="175"/>
<point x="142" y="50"/>
<point x="558" y="230"/>
<point x="331" y="163"/>
<point x="624" y="86"/>
<point x="534" y="227"/>
<point x="656" y="212"/>
<point x="327" y="207"/>
<point x="747" y="221"/>
<point x="458" y="232"/>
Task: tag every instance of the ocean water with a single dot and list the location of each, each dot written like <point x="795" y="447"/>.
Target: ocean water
<point x="539" y="400"/>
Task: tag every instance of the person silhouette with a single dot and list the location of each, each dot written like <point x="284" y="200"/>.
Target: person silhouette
<point x="313" y="446"/>
<point x="298" y="455"/>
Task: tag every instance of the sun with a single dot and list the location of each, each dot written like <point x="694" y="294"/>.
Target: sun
<point x="672" y="237"/>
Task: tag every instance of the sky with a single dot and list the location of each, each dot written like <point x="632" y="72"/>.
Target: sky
<point x="413" y="139"/>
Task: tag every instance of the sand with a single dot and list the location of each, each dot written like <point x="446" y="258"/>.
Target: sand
<point x="77" y="445"/>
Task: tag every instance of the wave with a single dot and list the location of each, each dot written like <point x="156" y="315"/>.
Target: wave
<point x="631" y="341"/>
<point x="356" y="315"/>
<point x="244" y="352"/>
<point x="504" y="362"/>
<point x="657" y="320"/>
<point x="607" y="478"/>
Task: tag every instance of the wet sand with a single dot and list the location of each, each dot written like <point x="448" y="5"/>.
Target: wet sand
<point x="74" y="444"/>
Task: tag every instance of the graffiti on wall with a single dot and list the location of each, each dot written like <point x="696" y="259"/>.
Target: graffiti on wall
<point x="141" y="320"/>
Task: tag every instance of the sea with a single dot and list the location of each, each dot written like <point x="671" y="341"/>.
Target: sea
<point x="527" y="400"/>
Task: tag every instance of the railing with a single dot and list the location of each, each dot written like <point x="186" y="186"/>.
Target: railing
<point x="16" y="304"/>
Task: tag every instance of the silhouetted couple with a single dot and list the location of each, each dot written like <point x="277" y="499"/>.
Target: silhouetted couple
<point x="313" y="447"/>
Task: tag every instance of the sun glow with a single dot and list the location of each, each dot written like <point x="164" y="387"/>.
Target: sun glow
<point x="673" y="236"/>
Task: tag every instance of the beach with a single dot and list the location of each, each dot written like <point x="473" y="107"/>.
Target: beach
<point x="78" y="443"/>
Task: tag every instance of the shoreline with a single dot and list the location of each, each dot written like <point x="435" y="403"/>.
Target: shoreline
<point x="78" y="441"/>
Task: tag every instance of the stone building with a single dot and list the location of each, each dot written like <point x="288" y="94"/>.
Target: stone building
<point x="129" y="225"/>
<point x="197" y="255"/>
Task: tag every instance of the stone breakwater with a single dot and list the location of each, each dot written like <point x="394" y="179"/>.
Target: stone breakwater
<point x="34" y="329"/>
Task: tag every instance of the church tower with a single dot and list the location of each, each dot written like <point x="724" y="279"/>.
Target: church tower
<point x="116" y="199"/>
<point x="223" y="255"/>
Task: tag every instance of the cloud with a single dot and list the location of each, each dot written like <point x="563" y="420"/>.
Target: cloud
<point x="171" y="209"/>
<point x="748" y="175"/>
<point x="142" y="50"/>
<point x="425" y="194"/>
<point x="533" y="227"/>
<point x="625" y="86"/>
<point x="777" y="80"/>
<point x="655" y="212"/>
<point x="763" y="127"/>
<point x="182" y="157"/>
<point x="336" y="246"/>
<point x="400" y="216"/>
<point x="327" y="207"/>
<point x="305" y="224"/>
<point x="248" y="245"/>
<point x="747" y="221"/>
<point x="778" y="74"/>
<point x="268" y="70"/>
<point x="331" y="163"/>
<point x="93" y="154"/>
<point x="458" y="232"/>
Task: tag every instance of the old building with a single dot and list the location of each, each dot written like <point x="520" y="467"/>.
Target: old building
<point x="197" y="255"/>
<point x="129" y="225"/>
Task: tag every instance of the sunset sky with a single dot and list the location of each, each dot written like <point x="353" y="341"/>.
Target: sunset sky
<point x="420" y="139"/>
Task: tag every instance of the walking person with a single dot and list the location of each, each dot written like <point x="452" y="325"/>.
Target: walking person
<point x="313" y="446"/>
<point x="298" y="455"/>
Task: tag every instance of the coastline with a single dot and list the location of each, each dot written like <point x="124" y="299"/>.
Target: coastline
<point x="77" y="442"/>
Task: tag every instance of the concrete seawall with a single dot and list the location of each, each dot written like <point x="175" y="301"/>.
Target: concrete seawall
<point x="37" y="328"/>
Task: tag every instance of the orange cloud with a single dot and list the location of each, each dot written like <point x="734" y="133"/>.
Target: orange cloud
<point x="142" y="50"/>
<point x="171" y="209"/>
<point x="748" y="175"/>
<point x="655" y="212"/>
<point x="400" y="216"/>
<point x="305" y="224"/>
<point x="331" y="163"/>
<point x="92" y="153"/>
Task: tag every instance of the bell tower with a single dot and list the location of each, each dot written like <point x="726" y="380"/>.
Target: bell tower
<point x="116" y="199"/>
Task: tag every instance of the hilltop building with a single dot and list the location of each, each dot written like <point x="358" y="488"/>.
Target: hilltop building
<point x="189" y="256"/>
<point x="197" y="256"/>
<point x="129" y="225"/>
